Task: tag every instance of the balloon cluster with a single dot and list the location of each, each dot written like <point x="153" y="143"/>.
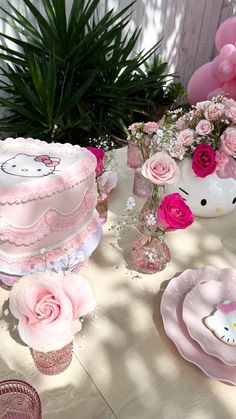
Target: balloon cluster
<point x="218" y="76"/>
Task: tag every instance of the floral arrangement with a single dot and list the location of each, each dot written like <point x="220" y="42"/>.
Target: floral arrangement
<point x="106" y="175"/>
<point x="48" y="307"/>
<point x="206" y="133"/>
<point x="144" y="136"/>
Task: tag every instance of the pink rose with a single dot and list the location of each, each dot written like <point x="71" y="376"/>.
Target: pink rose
<point x="221" y="159"/>
<point x="203" y="105"/>
<point x="174" y="213"/>
<point x="160" y="169"/>
<point x="228" y="141"/>
<point x="230" y="109"/>
<point x="133" y="127"/>
<point x="150" y="127"/>
<point x="107" y="181"/>
<point x="186" y="137"/>
<point x="99" y="154"/>
<point x="204" y="127"/>
<point x="181" y="122"/>
<point x="204" y="160"/>
<point x="48" y="306"/>
<point x="214" y="111"/>
<point x="178" y="150"/>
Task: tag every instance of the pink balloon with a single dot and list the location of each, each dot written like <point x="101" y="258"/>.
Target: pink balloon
<point x="226" y="51"/>
<point x="233" y="57"/>
<point x="222" y="70"/>
<point x="201" y="83"/>
<point x="226" y="33"/>
<point x="230" y="88"/>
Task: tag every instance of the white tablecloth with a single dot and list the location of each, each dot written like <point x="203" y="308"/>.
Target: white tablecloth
<point x="124" y="366"/>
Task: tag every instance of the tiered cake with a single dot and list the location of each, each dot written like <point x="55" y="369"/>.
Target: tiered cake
<point x="47" y="206"/>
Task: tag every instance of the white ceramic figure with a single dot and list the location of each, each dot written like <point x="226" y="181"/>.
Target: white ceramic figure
<point x="223" y="322"/>
<point x="211" y="196"/>
<point x="25" y="165"/>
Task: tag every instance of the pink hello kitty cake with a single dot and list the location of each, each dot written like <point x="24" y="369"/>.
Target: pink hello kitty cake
<point x="47" y="207"/>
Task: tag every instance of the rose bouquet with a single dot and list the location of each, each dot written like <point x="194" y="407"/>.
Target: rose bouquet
<point x="206" y="133"/>
<point x="48" y="307"/>
<point x="159" y="214"/>
<point x="106" y="175"/>
<point x="142" y="143"/>
<point x="143" y="135"/>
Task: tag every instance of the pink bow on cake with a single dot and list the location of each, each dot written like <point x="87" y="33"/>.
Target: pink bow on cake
<point x="48" y="161"/>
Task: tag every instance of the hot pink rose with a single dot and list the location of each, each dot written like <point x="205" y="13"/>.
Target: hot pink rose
<point x="48" y="306"/>
<point x="173" y="213"/>
<point x="160" y="169"/>
<point x="204" y="127"/>
<point x="204" y="160"/>
<point x="99" y="154"/>
<point x="214" y="111"/>
<point x="221" y="159"/>
<point x="150" y="127"/>
<point x="228" y="141"/>
<point x="186" y="137"/>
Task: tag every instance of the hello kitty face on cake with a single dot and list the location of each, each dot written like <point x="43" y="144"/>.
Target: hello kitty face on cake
<point x="211" y="196"/>
<point x="25" y="165"/>
<point x="223" y="322"/>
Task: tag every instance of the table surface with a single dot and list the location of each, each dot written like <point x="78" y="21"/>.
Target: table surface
<point x="124" y="366"/>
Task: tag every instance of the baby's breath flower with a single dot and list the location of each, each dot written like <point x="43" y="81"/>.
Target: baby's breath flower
<point x="150" y="220"/>
<point x="130" y="204"/>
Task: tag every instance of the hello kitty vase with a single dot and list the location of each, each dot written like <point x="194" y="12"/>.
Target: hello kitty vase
<point x="211" y="196"/>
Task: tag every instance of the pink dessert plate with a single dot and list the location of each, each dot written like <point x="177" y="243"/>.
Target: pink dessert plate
<point x="200" y="303"/>
<point x="171" y="310"/>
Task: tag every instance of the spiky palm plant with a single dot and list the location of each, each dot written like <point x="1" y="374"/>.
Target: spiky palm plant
<point x="72" y="77"/>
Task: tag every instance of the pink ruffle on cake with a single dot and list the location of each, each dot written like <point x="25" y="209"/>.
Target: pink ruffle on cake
<point x="47" y="207"/>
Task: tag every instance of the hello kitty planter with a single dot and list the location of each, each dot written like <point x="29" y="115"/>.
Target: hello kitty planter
<point x="211" y="196"/>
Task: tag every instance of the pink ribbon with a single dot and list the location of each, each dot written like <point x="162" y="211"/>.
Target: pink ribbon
<point x="48" y="161"/>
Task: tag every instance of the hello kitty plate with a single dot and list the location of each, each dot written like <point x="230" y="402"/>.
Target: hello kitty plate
<point x="210" y="322"/>
<point x="171" y="310"/>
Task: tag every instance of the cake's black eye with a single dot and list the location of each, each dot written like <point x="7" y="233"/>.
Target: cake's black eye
<point x="234" y="200"/>
<point x="39" y="170"/>
<point x="14" y="165"/>
<point x="226" y="328"/>
<point x="203" y="202"/>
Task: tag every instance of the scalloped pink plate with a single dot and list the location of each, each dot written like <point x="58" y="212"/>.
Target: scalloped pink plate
<point x="171" y="310"/>
<point x="198" y="304"/>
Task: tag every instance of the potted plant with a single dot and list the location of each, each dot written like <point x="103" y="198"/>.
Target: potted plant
<point x="68" y="78"/>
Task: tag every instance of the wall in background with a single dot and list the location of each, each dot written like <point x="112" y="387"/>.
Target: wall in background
<point x="187" y="28"/>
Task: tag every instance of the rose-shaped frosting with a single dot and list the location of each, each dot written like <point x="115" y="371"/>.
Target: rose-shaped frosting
<point x="204" y="160"/>
<point x="228" y="141"/>
<point x="160" y="169"/>
<point x="150" y="127"/>
<point x="174" y="213"/>
<point x="99" y="154"/>
<point x="186" y="137"/>
<point x="48" y="306"/>
<point x="204" y="127"/>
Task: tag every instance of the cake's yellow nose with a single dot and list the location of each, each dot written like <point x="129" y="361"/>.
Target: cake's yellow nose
<point x="24" y="170"/>
<point x="219" y="209"/>
<point x="234" y="325"/>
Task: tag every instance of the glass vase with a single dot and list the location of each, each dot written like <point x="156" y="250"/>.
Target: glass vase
<point x="19" y="400"/>
<point x="147" y="219"/>
<point x="102" y="207"/>
<point x="53" y="362"/>
<point x="142" y="187"/>
<point x="150" y="254"/>
<point x="134" y="155"/>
